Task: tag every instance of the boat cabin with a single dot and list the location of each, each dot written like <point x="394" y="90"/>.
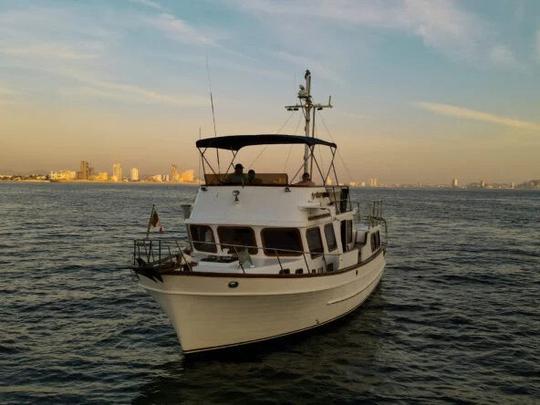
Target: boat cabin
<point x="271" y="223"/>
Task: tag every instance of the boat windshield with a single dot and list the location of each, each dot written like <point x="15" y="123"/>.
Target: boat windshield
<point x="281" y="242"/>
<point x="203" y="238"/>
<point x="234" y="237"/>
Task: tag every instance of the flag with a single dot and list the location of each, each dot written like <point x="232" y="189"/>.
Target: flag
<point x="153" y="221"/>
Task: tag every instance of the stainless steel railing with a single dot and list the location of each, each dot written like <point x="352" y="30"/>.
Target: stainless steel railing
<point x="166" y="252"/>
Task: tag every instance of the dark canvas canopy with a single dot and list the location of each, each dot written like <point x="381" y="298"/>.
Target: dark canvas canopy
<point x="236" y="142"/>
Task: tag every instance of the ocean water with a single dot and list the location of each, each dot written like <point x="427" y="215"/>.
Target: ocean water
<point x="456" y="318"/>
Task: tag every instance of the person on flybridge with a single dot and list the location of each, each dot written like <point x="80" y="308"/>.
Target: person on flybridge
<point x="238" y="177"/>
<point x="306" y="181"/>
<point x="252" y="178"/>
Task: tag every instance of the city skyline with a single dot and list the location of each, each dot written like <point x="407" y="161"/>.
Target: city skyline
<point x="117" y="174"/>
<point x="424" y="92"/>
<point x="88" y="173"/>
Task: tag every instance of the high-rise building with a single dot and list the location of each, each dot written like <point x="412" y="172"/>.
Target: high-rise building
<point x="84" y="172"/>
<point x="117" y="172"/>
<point x="134" y="174"/>
<point x="455" y="182"/>
<point x="101" y="176"/>
<point x="174" y="175"/>
<point x="373" y="182"/>
<point x="482" y="184"/>
<point x="188" y="176"/>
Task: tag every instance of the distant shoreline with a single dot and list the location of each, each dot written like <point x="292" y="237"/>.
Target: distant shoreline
<point x="98" y="182"/>
<point x="152" y="183"/>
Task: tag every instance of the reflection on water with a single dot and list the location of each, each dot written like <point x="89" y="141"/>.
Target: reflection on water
<point x="456" y="317"/>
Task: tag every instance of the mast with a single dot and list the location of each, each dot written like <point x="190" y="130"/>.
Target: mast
<point x="307" y="106"/>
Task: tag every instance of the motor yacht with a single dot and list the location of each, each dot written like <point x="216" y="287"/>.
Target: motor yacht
<point x="266" y="255"/>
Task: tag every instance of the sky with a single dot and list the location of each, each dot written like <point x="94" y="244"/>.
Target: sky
<point x="423" y="90"/>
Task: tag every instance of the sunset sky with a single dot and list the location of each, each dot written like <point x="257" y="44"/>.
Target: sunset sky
<point x="424" y="91"/>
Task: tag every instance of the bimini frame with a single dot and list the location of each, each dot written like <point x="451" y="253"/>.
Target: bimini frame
<point x="236" y="142"/>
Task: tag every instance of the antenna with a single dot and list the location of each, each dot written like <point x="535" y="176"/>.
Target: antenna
<point x="212" y="106"/>
<point x="307" y="106"/>
<point x="200" y="160"/>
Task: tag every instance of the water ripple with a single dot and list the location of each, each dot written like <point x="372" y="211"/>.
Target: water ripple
<point x="455" y="320"/>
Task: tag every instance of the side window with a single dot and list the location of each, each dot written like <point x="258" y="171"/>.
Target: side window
<point x="346" y="233"/>
<point x="314" y="240"/>
<point x="203" y="238"/>
<point x="281" y="241"/>
<point x="330" y="237"/>
<point x="236" y="235"/>
<point x="349" y="235"/>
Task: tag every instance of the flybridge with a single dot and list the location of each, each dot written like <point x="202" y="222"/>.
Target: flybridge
<point x="234" y="143"/>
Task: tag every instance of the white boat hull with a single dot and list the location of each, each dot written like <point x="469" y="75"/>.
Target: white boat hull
<point x="207" y="313"/>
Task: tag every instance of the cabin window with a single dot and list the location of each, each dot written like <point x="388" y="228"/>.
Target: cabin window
<point x="281" y="241"/>
<point x="314" y="241"/>
<point x="203" y="238"/>
<point x="349" y="235"/>
<point x="236" y="235"/>
<point x="330" y="237"/>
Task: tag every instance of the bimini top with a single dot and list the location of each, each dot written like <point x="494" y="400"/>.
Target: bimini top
<point x="236" y="142"/>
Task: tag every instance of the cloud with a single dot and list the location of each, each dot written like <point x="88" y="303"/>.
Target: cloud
<point x="465" y="113"/>
<point x="178" y="29"/>
<point x="440" y="24"/>
<point x="134" y="93"/>
<point x="503" y="57"/>
<point x="37" y="35"/>
<point x="149" y="3"/>
<point x="55" y="48"/>
<point x="47" y="50"/>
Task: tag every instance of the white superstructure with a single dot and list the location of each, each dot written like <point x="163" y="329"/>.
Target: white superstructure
<point x="266" y="256"/>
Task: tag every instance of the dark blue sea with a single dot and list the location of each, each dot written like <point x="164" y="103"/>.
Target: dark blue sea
<point x="456" y="318"/>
